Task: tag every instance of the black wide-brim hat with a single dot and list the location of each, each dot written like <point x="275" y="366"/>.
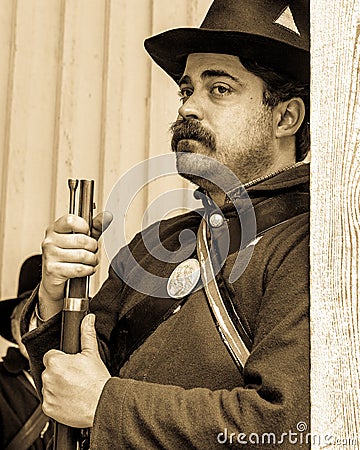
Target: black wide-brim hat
<point x="274" y="33"/>
<point x="29" y="278"/>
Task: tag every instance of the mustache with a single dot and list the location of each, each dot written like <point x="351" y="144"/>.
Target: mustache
<point x="191" y="129"/>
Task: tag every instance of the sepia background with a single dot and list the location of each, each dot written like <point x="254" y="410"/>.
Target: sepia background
<point x="79" y="97"/>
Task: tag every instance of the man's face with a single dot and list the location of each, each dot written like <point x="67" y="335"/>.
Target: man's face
<point x="223" y="116"/>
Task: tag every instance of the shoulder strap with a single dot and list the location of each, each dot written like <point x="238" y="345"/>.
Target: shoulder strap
<point x="142" y="319"/>
<point x="226" y="327"/>
<point x="232" y="331"/>
<point x="30" y="431"/>
<point x="136" y="325"/>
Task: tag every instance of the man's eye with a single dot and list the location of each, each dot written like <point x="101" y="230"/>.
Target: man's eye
<point x="184" y="94"/>
<point x="220" y="90"/>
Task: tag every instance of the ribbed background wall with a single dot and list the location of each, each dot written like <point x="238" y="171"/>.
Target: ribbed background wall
<point x="79" y="97"/>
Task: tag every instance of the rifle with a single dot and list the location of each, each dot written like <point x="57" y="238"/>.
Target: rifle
<point x="75" y="307"/>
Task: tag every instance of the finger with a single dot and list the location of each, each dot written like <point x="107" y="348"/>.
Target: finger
<point x="76" y="256"/>
<point x="101" y="223"/>
<point x="89" y="342"/>
<point x="66" y="241"/>
<point x="65" y="270"/>
<point x="71" y="223"/>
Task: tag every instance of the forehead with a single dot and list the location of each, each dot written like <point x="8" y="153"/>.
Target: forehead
<point x="199" y="63"/>
<point x="213" y="58"/>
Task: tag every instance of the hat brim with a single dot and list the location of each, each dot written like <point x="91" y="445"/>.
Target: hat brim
<point x="6" y="309"/>
<point x="171" y="48"/>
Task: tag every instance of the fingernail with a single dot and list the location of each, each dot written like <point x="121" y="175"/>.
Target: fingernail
<point x="91" y="319"/>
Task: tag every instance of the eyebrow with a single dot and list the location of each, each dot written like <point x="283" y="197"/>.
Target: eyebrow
<point x="210" y="73"/>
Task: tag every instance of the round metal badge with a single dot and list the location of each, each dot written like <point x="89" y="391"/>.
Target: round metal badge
<point x="183" y="278"/>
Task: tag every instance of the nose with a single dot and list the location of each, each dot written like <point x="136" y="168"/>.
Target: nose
<point x="192" y="108"/>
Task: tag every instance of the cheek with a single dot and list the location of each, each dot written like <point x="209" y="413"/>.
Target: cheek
<point x="232" y="129"/>
<point x="222" y="122"/>
<point x="233" y="123"/>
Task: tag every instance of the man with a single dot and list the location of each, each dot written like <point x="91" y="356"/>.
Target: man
<point x="181" y="385"/>
<point x="23" y="425"/>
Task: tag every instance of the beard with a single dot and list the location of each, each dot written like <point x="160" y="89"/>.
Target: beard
<point x="249" y="155"/>
<point x="187" y="135"/>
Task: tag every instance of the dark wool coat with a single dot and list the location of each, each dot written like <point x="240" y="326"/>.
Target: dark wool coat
<point x="181" y="389"/>
<point x="18" y="400"/>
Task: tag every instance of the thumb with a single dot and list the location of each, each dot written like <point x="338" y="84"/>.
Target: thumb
<point x="88" y="335"/>
<point x="101" y="223"/>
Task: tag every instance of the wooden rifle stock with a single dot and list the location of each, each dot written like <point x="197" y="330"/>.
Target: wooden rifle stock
<point x="76" y="305"/>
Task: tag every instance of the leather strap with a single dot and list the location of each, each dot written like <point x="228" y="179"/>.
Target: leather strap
<point x="136" y="325"/>
<point x="226" y="327"/>
<point x="30" y="431"/>
<point x="230" y="327"/>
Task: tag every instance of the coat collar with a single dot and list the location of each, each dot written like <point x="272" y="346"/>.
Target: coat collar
<point x="296" y="177"/>
<point x="289" y="177"/>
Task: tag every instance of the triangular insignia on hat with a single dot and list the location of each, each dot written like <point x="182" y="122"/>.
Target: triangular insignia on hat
<point x="286" y="19"/>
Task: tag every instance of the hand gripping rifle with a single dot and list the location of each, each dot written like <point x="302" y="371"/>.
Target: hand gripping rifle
<point x="75" y="307"/>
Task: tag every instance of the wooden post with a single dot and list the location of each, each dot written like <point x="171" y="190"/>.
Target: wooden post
<point x="335" y="229"/>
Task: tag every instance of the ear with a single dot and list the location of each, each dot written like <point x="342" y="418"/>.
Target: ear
<point x="289" y="116"/>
